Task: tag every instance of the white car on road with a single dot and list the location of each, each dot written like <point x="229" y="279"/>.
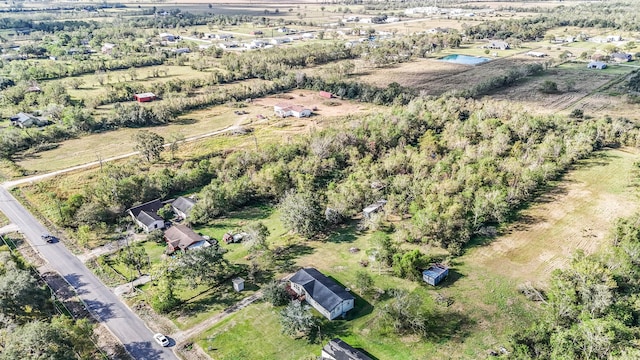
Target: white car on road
<point x="161" y="339"/>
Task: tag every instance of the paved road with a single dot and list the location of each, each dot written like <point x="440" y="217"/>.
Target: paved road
<point x="122" y="322"/>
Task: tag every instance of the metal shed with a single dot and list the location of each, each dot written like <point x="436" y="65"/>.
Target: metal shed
<point x="435" y="273"/>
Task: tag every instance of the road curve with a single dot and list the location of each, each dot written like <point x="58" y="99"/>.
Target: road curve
<point x="104" y="304"/>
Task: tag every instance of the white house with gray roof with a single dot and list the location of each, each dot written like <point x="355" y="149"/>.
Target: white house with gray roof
<point x="146" y="215"/>
<point x="182" y="206"/>
<point x="324" y="294"/>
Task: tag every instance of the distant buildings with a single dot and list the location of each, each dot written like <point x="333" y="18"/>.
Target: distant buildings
<point x="144" y="97"/>
<point x="286" y="109"/>
<point x="596" y="65"/>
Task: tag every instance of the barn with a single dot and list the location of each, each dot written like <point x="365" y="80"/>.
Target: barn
<point x="144" y="97"/>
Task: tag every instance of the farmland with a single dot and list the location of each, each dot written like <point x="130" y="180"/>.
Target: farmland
<point x="509" y="172"/>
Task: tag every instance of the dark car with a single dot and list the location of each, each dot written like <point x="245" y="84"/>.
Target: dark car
<point x="49" y="238"/>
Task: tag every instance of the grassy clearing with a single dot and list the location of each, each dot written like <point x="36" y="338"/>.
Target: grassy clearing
<point x="576" y="214"/>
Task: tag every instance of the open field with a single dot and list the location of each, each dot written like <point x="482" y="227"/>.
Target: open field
<point x="113" y="143"/>
<point x="434" y="77"/>
<point x="576" y="214"/>
<point x="570" y="78"/>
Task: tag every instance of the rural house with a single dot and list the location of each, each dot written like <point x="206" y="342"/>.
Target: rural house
<point x="181" y="237"/>
<point x="497" y="45"/>
<point x="373" y="208"/>
<point x="285" y="110"/>
<point x="182" y="205"/>
<point x="329" y="298"/>
<point x="337" y="349"/>
<point x="107" y="48"/>
<point x="434" y="274"/>
<point x="167" y="37"/>
<point x="146" y="215"/>
<point x="144" y="97"/>
<point x="25" y="120"/>
<point x="621" y="57"/>
<point x="596" y="65"/>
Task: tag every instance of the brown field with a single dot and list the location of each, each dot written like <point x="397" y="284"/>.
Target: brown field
<point x="576" y="215"/>
<point x="113" y="143"/>
<point x="433" y="77"/>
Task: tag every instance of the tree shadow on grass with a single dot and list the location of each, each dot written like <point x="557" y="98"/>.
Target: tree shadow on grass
<point x="448" y="325"/>
<point x="222" y="296"/>
<point x="284" y="257"/>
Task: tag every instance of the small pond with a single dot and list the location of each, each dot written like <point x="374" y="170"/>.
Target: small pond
<point x="464" y="59"/>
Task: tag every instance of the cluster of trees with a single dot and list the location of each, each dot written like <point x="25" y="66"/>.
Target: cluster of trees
<point x="29" y="324"/>
<point x="451" y="165"/>
<point x="610" y="15"/>
<point x="591" y="309"/>
<point x="38" y="70"/>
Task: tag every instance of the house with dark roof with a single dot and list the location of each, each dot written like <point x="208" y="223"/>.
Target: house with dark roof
<point x="182" y="205"/>
<point x="324" y="294"/>
<point x="25" y="120"/>
<point x="146" y="215"/>
<point x="621" y="57"/>
<point x="337" y="349"/>
<point x="181" y="237"/>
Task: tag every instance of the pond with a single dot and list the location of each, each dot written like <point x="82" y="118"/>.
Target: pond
<point x="464" y="59"/>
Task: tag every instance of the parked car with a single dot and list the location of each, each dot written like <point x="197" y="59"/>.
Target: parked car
<point x="161" y="339"/>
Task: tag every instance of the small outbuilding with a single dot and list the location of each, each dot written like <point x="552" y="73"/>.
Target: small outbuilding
<point x="238" y="284"/>
<point x="596" y="65"/>
<point x="182" y="206"/>
<point x="373" y="208"/>
<point x="325" y="94"/>
<point x="144" y="97"/>
<point x="337" y="349"/>
<point x="435" y="274"/>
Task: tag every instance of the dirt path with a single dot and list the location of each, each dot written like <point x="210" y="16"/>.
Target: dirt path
<point x="183" y="336"/>
<point x="31" y="179"/>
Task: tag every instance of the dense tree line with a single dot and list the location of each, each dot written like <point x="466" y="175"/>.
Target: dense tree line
<point x="591" y="309"/>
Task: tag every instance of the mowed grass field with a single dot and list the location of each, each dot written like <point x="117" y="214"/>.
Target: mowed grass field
<point x="575" y="214"/>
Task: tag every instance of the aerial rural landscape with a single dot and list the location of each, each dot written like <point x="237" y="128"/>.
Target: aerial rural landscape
<point x="329" y="180"/>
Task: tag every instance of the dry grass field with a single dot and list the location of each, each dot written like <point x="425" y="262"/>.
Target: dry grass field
<point x="572" y="84"/>
<point x="576" y="214"/>
<point x="113" y="143"/>
<point x="434" y="77"/>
